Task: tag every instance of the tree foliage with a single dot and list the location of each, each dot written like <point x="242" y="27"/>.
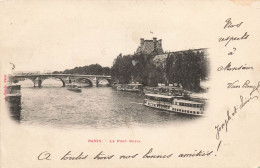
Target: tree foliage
<point x="137" y="68"/>
<point x="184" y="68"/>
<point x="93" y="69"/>
<point x="187" y="68"/>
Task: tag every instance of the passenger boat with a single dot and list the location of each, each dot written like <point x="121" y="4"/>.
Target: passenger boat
<point x="74" y="88"/>
<point x="175" y="104"/>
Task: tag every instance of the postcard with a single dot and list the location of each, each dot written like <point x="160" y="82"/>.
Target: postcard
<point x="125" y="84"/>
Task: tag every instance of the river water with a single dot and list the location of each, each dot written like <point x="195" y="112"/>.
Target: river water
<point x="95" y="107"/>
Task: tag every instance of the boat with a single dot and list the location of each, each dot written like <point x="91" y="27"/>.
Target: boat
<point x="74" y="88"/>
<point x="120" y="88"/>
<point x="175" y="104"/>
<point x="166" y="90"/>
<point x="129" y="87"/>
<point x="133" y="87"/>
<point x="13" y="98"/>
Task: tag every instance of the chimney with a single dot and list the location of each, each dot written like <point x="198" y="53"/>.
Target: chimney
<point x="142" y="41"/>
<point x="154" y="42"/>
<point x="160" y="43"/>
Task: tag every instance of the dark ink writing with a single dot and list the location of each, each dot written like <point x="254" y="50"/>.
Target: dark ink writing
<point x="232" y="38"/>
<point x="127" y="157"/>
<point x="228" y="67"/>
<point x="149" y="155"/>
<point x="233" y="85"/>
<point x="102" y="156"/>
<point x="223" y="125"/>
<point x="44" y="156"/>
<point x="68" y="156"/>
<point x="236" y="108"/>
<point x="230" y="25"/>
<point x="196" y="154"/>
<point x="244" y="101"/>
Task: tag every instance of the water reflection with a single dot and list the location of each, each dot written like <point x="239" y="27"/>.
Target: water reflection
<point x="96" y="107"/>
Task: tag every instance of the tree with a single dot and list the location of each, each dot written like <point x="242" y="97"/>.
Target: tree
<point x="186" y="68"/>
<point x="93" y="69"/>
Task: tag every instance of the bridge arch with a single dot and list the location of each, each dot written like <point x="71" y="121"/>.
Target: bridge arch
<point x="86" y="79"/>
<point x="100" y="80"/>
<point x="36" y="80"/>
<point x="56" y="77"/>
<point x="17" y="80"/>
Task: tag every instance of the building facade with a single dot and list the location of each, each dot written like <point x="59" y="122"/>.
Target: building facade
<point x="160" y="59"/>
<point x="150" y="46"/>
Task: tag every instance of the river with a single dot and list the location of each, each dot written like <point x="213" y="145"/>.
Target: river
<point x="95" y="107"/>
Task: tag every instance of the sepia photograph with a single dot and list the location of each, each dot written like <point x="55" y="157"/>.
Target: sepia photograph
<point x="149" y="87"/>
<point x="129" y="84"/>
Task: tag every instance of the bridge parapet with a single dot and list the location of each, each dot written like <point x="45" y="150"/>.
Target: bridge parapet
<point x="37" y="79"/>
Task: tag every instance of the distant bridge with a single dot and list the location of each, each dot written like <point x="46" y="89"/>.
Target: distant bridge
<point x="37" y="79"/>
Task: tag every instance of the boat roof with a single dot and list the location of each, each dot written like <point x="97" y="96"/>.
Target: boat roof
<point x="134" y="84"/>
<point x="202" y="96"/>
<point x="169" y="97"/>
<point x="157" y="95"/>
<point x="73" y="85"/>
<point x="187" y="101"/>
<point x="170" y="87"/>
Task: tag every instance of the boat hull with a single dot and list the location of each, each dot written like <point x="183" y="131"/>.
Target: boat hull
<point x="75" y="90"/>
<point x="170" y="109"/>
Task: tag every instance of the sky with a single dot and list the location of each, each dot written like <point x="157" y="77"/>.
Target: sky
<point x="59" y="35"/>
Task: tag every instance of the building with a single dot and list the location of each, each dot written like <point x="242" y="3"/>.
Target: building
<point x="160" y="59"/>
<point x="150" y="46"/>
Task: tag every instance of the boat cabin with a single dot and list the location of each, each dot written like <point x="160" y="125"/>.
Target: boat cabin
<point x="174" y="103"/>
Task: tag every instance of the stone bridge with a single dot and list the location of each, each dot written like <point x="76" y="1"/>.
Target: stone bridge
<point x="37" y="79"/>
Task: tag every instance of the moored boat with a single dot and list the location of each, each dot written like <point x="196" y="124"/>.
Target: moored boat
<point x="134" y="87"/>
<point x="166" y="90"/>
<point x="74" y="88"/>
<point x="13" y="98"/>
<point x="175" y="104"/>
<point x="129" y="87"/>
